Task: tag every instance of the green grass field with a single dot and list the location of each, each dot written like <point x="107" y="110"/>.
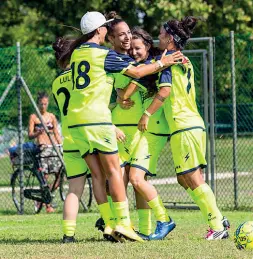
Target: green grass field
<point x="39" y="237"/>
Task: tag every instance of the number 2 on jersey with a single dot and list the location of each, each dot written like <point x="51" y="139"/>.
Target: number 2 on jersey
<point x="82" y="75"/>
<point x="66" y="102"/>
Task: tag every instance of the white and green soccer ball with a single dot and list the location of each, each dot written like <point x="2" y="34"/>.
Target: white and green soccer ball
<point x="243" y="236"/>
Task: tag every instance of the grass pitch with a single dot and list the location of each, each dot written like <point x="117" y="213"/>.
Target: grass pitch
<point x="38" y="236"/>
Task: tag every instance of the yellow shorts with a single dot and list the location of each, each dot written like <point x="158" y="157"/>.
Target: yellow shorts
<point x="188" y="150"/>
<point x="95" y="138"/>
<point x="75" y="164"/>
<point x="126" y="149"/>
<point x="147" y="152"/>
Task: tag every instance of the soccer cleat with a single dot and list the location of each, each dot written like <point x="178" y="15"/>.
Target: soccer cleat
<point x="100" y="224"/>
<point x="67" y="239"/>
<point x="144" y="237"/>
<point x="127" y="233"/>
<point x="225" y="223"/>
<point x="162" y="230"/>
<point x="217" y="235"/>
<point x="110" y="235"/>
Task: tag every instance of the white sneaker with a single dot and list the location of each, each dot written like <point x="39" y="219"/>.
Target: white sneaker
<point x="216" y="235"/>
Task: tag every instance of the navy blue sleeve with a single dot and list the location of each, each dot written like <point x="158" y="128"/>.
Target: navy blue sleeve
<point x="115" y="63"/>
<point x="165" y="78"/>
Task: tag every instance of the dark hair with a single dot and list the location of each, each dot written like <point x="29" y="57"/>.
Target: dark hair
<point x="42" y="95"/>
<point x="139" y="33"/>
<point x="66" y="54"/>
<point x="117" y="19"/>
<point x="181" y="30"/>
<point x="60" y="46"/>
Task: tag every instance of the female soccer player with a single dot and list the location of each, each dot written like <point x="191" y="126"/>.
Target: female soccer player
<point x="126" y="120"/>
<point x="188" y="137"/>
<point x="146" y="152"/>
<point x="89" y="117"/>
<point x="75" y="165"/>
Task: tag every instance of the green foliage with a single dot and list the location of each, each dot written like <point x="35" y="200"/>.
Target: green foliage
<point x="38" y="68"/>
<point x="37" y="23"/>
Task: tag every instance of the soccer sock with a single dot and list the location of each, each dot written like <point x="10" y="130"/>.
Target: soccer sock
<point x="69" y="227"/>
<point x="107" y="214"/>
<point x="191" y="194"/>
<point x="206" y="201"/>
<point x="122" y="213"/>
<point x="145" y="224"/>
<point x="110" y="201"/>
<point x="159" y="210"/>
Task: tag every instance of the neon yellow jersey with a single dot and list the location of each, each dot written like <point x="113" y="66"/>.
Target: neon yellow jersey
<point x="157" y="122"/>
<point x="180" y="107"/>
<point x="131" y="116"/>
<point x="92" y="88"/>
<point x="61" y="88"/>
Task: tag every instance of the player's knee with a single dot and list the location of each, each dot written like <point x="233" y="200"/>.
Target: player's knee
<point x="135" y="181"/>
<point x="76" y="190"/>
<point x="112" y="172"/>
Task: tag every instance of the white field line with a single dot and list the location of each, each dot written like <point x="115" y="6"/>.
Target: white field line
<point x="168" y="180"/>
<point x="173" y="180"/>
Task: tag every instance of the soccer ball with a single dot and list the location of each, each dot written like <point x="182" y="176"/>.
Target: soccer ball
<point x="243" y="236"/>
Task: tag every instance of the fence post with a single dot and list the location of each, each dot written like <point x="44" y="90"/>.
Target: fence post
<point x="233" y="83"/>
<point x="20" y="129"/>
<point x="211" y="106"/>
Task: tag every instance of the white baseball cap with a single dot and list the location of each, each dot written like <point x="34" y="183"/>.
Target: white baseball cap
<point x="91" y="21"/>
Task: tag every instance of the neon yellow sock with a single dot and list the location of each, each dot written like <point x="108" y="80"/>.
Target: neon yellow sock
<point x="107" y="215"/>
<point x="69" y="227"/>
<point x="110" y="201"/>
<point x="122" y="213"/>
<point x="191" y="194"/>
<point x="145" y="224"/>
<point x="159" y="210"/>
<point x="206" y="201"/>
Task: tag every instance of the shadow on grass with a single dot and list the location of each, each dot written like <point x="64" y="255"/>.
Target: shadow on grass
<point x="13" y="241"/>
<point x="8" y="212"/>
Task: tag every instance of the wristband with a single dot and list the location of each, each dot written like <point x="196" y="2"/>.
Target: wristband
<point x="147" y="113"/>
<point x="159" y="62"/>
<point x="160" y="98"/>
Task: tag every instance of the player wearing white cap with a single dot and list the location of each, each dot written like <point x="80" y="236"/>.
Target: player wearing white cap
<point x="89" y="117"/>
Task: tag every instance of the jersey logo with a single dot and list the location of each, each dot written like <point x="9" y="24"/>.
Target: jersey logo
<point x="107" y="140"/>
<point x="119" y="58"/>
<point x="187" y="157"/>
<point x="126" y="150"/>
<point x="148" y="156"/>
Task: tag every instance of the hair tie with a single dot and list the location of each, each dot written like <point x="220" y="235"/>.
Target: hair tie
<point x="170" y="31"/>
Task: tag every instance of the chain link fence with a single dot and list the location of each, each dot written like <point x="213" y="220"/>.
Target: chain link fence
<point x="234" y="145"/>
<point x="17" y="104"/>
<point x="38" y="69"/>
